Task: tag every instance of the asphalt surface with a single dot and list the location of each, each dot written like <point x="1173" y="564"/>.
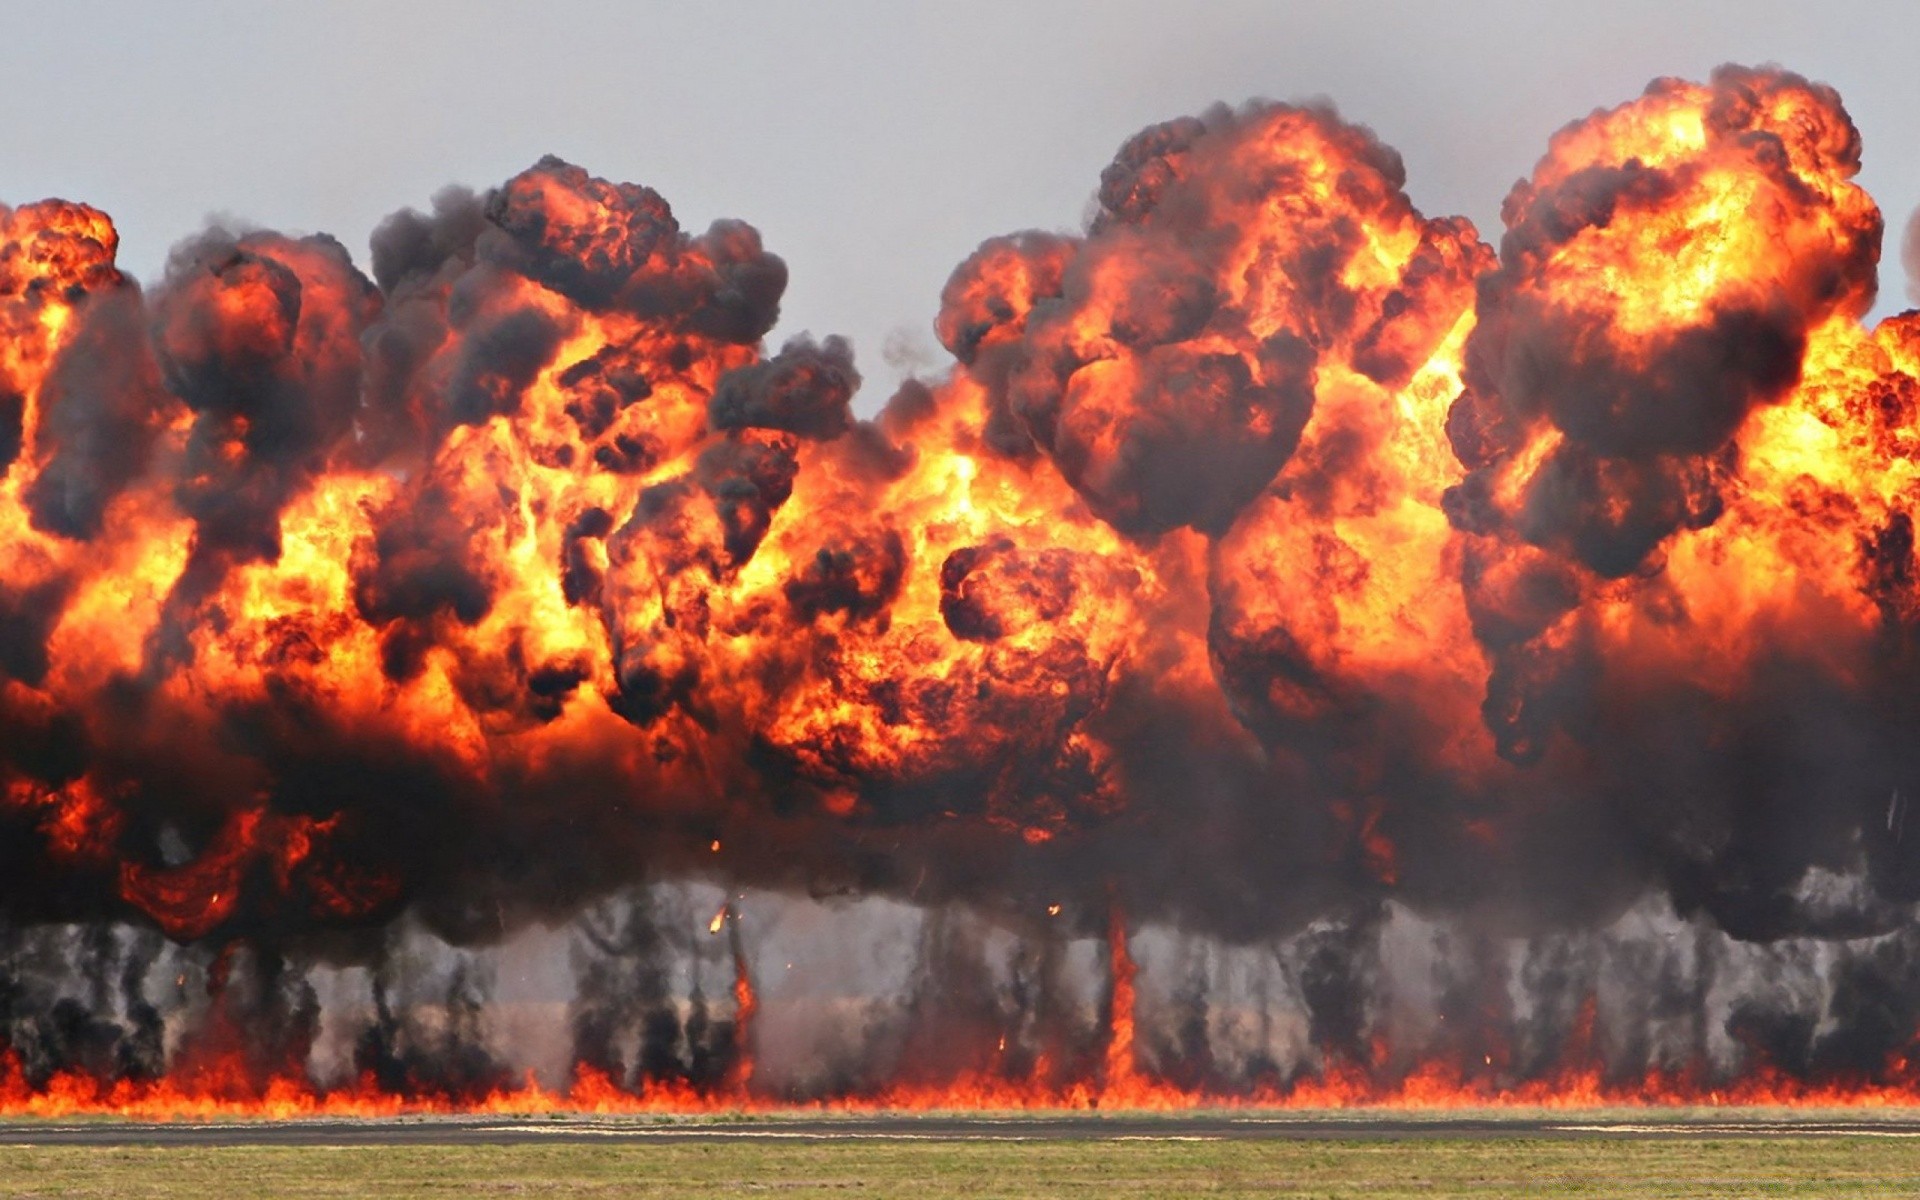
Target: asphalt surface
<point x="523" y="1130"/>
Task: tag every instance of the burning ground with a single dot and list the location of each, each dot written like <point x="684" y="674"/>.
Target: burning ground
<point x="1473" y="672"/>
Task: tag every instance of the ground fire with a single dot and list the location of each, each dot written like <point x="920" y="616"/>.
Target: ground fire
<point x="1298" y="653"/>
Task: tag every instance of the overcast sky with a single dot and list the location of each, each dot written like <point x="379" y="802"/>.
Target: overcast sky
<point x="874" y="144"/>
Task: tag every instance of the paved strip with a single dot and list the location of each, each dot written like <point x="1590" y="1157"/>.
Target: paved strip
<point x="511" y="1130"/>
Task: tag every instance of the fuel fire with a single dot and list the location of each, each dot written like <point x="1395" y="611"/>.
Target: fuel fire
<point x="1298" y="654"/>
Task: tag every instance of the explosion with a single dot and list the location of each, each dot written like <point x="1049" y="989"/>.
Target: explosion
<point x="1296" y="654"/>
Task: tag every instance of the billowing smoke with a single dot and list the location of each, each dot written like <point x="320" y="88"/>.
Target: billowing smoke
<point x="1492" y="667"/>
<point x="1910" y="256"/>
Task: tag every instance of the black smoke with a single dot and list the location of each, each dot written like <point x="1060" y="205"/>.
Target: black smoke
<point x="1627" y="888"/>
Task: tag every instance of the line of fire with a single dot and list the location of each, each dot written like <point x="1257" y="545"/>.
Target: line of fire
<point x="1297" y="653"/>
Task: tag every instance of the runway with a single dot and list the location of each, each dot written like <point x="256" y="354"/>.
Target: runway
<point x="490" y="1130"/>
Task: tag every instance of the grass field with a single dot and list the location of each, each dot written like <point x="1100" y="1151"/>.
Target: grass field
<point x="987" y="1170"/>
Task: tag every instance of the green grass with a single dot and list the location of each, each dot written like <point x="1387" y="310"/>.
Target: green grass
<point x="988" y="1170"/>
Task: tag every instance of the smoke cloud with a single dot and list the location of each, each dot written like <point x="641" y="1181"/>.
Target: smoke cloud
<point x="1520" y="636"/>
<point x="1910" y="255"/>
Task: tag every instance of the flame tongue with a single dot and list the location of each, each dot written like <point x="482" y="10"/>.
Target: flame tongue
<point x="1271" y="551"/>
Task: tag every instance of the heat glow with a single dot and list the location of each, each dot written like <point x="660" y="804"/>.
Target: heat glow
<point x="1270" y="554"/>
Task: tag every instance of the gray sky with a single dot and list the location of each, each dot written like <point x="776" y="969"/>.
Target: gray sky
<point x="874" y="144"/>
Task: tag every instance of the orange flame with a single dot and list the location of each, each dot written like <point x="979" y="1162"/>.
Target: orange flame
<point x="1269" y="519"/>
